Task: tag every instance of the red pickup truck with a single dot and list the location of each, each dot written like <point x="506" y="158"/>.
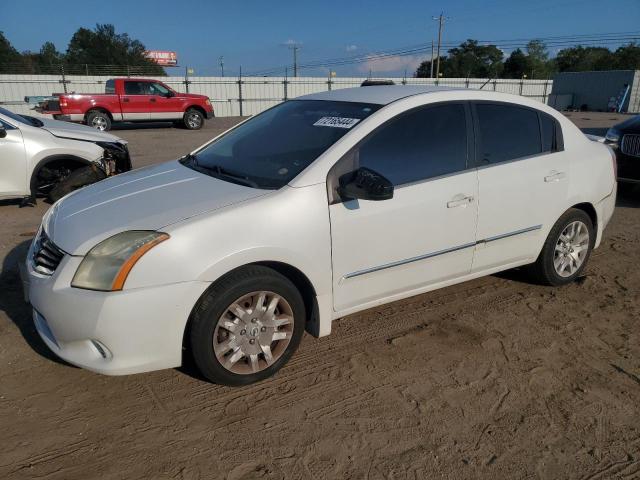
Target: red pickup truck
<point x="131" y="100"/>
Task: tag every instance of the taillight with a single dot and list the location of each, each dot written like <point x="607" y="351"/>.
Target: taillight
<point x="63" y="102"/>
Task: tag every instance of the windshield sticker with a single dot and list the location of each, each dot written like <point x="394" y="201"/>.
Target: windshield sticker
<point x="336" y="122"/>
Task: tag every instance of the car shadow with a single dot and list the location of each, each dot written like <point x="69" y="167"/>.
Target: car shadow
<point x="628" y="195"/>
<point x="13" y="305"/>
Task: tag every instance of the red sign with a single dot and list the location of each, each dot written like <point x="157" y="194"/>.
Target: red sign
<point x="162" y="57"/>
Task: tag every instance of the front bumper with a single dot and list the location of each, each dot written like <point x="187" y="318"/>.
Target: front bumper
<point x="628" y="166"/>
<point x="209" y="115"/>
<point x="113" y="333"/>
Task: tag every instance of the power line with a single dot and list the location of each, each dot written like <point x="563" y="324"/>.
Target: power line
<point x="552" y="41"/>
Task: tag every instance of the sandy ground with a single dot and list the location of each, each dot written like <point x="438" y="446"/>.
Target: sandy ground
<point x="494" y="378"/>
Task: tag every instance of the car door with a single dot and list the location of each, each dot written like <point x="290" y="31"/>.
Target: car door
<point x="165" y="105"/>
<point x="13" y="165"/>
<point x="425" y="234"/>
<point x="523" y="176"/>
<point x="135" y="102"/>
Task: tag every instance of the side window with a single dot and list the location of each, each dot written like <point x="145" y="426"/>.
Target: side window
<point x="551" y="133"/>
<point x="158" y="89"/>
<point x="423" y="143"/>
<point x="110" y="87"/>
<point x="506" y="133"/>
<point x="135" y="88"/>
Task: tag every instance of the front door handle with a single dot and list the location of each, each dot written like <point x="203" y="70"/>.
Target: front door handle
<point x="460" y="202"/>
<point x="554" y="176"/>
<point x="152" y="99"/>
<point x="125" y="99"/>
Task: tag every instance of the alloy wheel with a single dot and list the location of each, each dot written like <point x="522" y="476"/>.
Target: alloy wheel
<point x="253" y="332"/>
<point x="194" y="120"/>
<point x="571" y="249"/>
<point x="99" y="123"/>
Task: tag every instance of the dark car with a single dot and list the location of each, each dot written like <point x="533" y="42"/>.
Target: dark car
<point x="624" y="138"/>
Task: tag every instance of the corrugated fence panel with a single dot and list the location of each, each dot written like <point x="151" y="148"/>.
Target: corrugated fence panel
<point x="258" y="93"/>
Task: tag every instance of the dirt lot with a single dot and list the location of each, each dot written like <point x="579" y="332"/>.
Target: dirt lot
<point x="494" y="378"/>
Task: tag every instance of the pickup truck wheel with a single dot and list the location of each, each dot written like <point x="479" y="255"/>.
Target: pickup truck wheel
<point x="76" y="179"/>
<point x="246" y="326"/>
<point x="193" y="119"/>
<point x="99" y="120"/>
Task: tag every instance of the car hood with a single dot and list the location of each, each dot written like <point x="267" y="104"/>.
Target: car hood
<point x="76" y="131"/>
<point x="629" y="125"/>
<point x="146" y="199"/>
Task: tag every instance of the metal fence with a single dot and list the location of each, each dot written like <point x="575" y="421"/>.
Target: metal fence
<point x="241" y="96"/>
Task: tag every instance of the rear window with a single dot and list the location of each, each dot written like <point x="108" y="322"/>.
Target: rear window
<point x="110" y="87"/>
<point x="507" y="133"/>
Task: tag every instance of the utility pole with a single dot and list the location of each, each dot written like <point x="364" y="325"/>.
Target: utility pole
<point x="221" y="60"/>
<point x="295" y="47"/>
<point x="440" y="18"/>
<point x="431" y="74"/>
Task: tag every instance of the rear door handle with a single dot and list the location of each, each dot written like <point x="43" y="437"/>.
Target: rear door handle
<point x="125" y="99"/>
<point x="152" y="99"/>
<point x="554" y="176"/>
<point x="460" y="202"/>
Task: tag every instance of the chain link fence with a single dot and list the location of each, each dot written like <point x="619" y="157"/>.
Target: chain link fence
<point x="240" y="96"/>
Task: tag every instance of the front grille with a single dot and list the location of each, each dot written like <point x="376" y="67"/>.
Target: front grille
<point x="631" y="145"/>
<point x="46" y="256"/>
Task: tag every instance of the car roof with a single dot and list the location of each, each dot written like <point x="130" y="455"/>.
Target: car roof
<point x="380" y="95"/>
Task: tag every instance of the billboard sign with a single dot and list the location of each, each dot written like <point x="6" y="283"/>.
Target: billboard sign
<point x="162" y="57"/>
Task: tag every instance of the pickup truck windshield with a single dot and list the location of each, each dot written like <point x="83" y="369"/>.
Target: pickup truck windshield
<point x="269" y="150"/>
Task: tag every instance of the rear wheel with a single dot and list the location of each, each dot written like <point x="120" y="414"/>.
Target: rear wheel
<point x="193" y="119"/>
<point x="247" y="326"/>
<point x="99" y="120"/>
<point x="567" y="249"/>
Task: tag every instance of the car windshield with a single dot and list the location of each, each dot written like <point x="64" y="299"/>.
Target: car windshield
<point x="269" y="150"/>
<point x="14" y="116"/>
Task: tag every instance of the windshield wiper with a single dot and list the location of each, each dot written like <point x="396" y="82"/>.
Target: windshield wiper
<point x="218" y="171"/>
<point x="233" y="176"/>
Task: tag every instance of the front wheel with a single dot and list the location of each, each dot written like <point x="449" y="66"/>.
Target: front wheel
<point x="76" y="179"/>
<point x="193" y="119"/>
<point x="247" y="326"/>
<point x="567" y="249"/>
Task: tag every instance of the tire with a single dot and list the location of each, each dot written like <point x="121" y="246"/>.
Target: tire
<point x="76" y="179"/>
<point x="234" y="348"/>
<point x="193" y="119"/>
<point x="558" y="252"/>
<point x="99" y="120"/>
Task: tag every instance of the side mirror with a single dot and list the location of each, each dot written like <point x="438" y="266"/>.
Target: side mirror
<point x="3" y="132"/>
<point x="365" y="184"/>
<point x="170" y="94"/>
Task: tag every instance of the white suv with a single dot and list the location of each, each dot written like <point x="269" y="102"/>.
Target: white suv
<point x="315" y="209"/>
<point x="44" y="157"/>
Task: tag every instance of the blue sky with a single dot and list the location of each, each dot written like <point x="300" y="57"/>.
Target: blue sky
<point x="253" y="33"/>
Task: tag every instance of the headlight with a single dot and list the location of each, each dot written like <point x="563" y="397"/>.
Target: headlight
<point x="207" y="101"/>
<point x="613" y="135"/>
<point x="108" y="264"/>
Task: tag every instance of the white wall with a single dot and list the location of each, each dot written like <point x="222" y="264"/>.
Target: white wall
<point x="258" y="93"/>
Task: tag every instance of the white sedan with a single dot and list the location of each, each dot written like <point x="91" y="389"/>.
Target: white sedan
<point x="320" y="207"/>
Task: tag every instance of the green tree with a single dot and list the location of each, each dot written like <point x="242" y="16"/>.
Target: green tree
<point x="9" y="56"/>
<point x="424" y="69"/>
<point x="471" y="59"/>
<point x="538" y="58"/>
<point x="103" y="46"/>
<point x="517" y="65"/>
<point x="583" y="59"/>
<point x="627" y="57"/>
